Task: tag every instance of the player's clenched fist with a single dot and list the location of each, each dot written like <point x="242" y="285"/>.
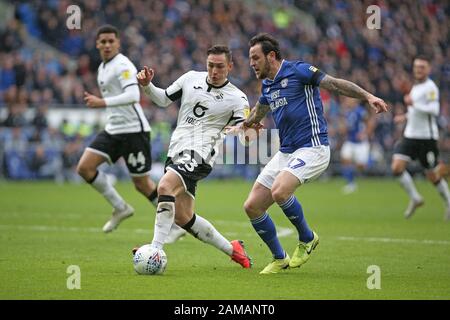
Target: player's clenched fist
<point x="145" y="76"/>
<point x="93" y="101"/>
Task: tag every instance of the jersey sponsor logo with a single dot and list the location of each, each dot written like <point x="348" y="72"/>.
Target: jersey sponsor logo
<point x="278" y="103"/>
<point x="198" y="87"/>
<point x="274" y="95"/>
<point x="313" y="69"/>
<point x="199" y="110"/>
<point x="126" y="74"/>
<point x="284" y="82"/>
<point x="193" y="121"/>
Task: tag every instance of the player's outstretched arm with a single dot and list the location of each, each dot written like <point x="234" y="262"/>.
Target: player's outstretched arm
<point x="157" y="95"/>
<point x="350" y="89"/>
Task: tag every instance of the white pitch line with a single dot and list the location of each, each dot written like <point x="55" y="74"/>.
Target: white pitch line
<point x="61" y="229"/>
<point x="282" y="232"/>
<point x="393" y="240"/>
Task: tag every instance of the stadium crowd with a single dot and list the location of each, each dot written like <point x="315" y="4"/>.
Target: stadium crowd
<point x="172" y="36"/>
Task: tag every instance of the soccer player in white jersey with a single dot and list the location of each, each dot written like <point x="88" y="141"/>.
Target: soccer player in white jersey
<point x="209" y="103"/>
<point x="290" y="89"/>
<point x="127" y="131"/>
<point x="420" y="138"/>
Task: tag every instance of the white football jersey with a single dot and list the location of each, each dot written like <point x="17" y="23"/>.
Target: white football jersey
<point x="113" y="77"/>
<point x="422" y="115"/>
<point x="205" y="111"/>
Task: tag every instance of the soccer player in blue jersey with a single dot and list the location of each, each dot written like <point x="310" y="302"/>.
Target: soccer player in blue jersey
<point x="290" y="90"/>
<point x="356" y="149"/>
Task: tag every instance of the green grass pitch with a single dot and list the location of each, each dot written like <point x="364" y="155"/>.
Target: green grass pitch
<point x="45" y="228"/>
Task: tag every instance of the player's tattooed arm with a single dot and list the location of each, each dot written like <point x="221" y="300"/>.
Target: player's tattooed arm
<point x="344" y="87"/>
<point x="350" y="89"/>
<point x="256" y="114"/>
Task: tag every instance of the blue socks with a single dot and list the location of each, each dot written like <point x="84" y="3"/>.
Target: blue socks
<point x="348" y="172"/>
<point x="293" y="210"/>
<point x="265" y="228"/>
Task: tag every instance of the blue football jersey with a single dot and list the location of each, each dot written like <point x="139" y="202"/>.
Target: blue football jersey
<point x="356" y="124"/>
<point x="294" y="98"/>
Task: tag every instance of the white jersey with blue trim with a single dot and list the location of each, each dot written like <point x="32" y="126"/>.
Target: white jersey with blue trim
<point x="294" y="98"/>
<point x="113" y="77"/>
<point x="204" y="113"/>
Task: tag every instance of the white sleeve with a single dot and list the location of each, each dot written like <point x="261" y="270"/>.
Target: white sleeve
<point x="432" y="105"/>
<point x="165" y="97"/>
<point x="240" y="111"/>
<point x="157" y="95"/>
<point x="130" y="95"/>
<point x="127" y="74"/>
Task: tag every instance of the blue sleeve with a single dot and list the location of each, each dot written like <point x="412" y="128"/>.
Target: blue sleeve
<point x="262" y="99"/>
<point x="308" y="74"/>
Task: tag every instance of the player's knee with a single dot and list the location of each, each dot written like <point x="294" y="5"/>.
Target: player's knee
<point x="280" y="196"/>
<point x="397" y="170"/>
<point x="165" y="188"/>
<point x="84" y="171"/>
<point x="252" y="209"/>
<point x="433" y="177"/>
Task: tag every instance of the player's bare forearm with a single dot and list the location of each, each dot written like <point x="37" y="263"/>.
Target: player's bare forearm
<point x="257" y="114"/>
<point x="349" y="89"/>
<point x="344" y="87"/>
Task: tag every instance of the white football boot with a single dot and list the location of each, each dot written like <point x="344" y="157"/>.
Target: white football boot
<point x="117" y="217"/>
<point x="412" y="206"/>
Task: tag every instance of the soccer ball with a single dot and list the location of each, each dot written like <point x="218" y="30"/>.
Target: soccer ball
<point x="149" y="260"/>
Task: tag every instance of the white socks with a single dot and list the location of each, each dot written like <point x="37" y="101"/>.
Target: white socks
<point x="408" y="184"/>
<point x="203" y="230"/>
<point x="105" y="188"/>
<point x="442" y="187"/>
<point x="165" y="216"/>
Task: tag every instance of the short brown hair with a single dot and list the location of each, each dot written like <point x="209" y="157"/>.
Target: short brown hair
<point x="268" y="44"/>
<point x="423" y="57"/>
<point x="107" y="28"/>
<point x="219" y="49"/>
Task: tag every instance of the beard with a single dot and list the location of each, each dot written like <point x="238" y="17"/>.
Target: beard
<point x="265" y="70"/>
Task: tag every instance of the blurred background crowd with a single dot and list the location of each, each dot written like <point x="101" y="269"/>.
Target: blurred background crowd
<point x="44" y="66"/>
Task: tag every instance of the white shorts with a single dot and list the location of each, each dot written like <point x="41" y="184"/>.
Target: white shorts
<point x="356" y="152"/>
<point x="304" y="163"/>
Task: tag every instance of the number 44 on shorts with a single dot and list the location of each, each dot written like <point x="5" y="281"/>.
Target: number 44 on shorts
<point x="296" y="163"/>
<point x="134" y="161"/>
